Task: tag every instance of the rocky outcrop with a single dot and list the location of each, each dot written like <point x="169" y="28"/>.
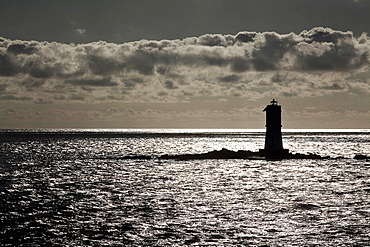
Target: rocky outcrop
<point x="361" y="157"/>
<point x="242" y="154"/>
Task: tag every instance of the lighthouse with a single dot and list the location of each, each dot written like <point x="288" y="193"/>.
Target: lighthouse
<point x="273" y="139"/>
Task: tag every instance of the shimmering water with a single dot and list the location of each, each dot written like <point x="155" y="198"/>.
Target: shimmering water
<point x="74" y="188"/>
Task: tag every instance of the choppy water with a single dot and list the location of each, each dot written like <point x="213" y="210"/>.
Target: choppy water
<point x="74" y="189"/>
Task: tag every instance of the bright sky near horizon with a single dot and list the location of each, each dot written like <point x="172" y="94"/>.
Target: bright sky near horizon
<point x="184" y="64"/>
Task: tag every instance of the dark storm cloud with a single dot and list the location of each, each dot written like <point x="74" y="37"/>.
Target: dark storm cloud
<point x="320" y="34"/>
<point x="334" y="86"/>
<point x="3" y="87"/>
<point x="15" y="98"/>
<point x="230" y="78"/>
<point x="7" y="66"/>
<point x="21" y="49"/>
<point x="270" y="50"/>
<point x="38" y="59"/>
<point x="215" y="40"/>
<point x="316" y="49"/>
<point x="170" y="85"/>
<point x="106" y="82"/>
<point x="246" y="36"/>
<point x="326" y="49"/>
<point x="177" y="65"/>
<point x="279" y="78"/>
<point x="32" y="84"/>
<point x="77" y="97"/>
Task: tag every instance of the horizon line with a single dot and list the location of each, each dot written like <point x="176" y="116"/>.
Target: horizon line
<point x="173" y="130"/>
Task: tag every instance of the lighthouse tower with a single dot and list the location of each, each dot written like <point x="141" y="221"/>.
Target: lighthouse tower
<point x="273" y="139"/>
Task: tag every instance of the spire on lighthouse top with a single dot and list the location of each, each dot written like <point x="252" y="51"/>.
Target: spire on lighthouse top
<point x="273" y="102"/>
<point x="273" y="105"/>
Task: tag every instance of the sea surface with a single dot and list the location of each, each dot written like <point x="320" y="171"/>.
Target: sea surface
<point x="78" y="188"/>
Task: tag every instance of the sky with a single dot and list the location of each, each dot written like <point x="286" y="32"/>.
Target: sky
<point x="184" y="64"/>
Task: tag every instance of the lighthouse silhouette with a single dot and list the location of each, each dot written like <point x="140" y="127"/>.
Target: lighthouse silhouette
<point x="273" y="140"/>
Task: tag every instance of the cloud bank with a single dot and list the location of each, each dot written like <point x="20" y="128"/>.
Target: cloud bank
<point x="249" y="64"/>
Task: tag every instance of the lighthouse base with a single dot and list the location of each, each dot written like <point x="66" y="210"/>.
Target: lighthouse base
<point x="275" y="154"/>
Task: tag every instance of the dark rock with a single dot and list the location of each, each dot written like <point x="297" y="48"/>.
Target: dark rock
<point x="361" y="157"/>
<point x="243" y="154"/>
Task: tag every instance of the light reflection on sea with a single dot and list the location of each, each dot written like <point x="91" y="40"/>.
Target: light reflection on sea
<point x="76" y="190"/>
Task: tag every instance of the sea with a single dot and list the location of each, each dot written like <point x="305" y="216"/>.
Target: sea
<point x="94" y="187"/>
